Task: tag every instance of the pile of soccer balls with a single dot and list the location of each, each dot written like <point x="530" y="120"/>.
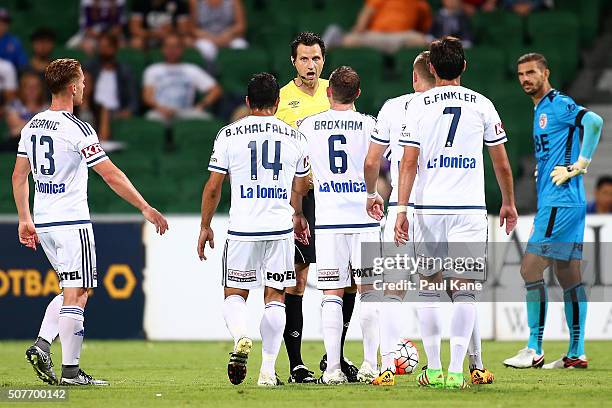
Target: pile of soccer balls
<point x="406" y="357"/>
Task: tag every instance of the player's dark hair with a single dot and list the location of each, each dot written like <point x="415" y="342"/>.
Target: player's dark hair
<point x="43" y="33"/>
<point x="602" y="181"/>
<point x="344" y="83"/>
<point x="306" y="38"/>
<point x="447" y="57"/>
<point x="421" y="66"/>
<point x="533" y="56"/>
<point x="61" y="73"/>
<point x="262" y="91"/>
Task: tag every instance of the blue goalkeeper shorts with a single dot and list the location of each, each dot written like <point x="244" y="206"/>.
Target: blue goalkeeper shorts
<point x="558" y="233"/>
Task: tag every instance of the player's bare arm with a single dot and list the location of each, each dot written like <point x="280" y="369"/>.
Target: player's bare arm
<point x="21" y="193"/>
<point x="210" y="200"/>
<point x="121" y="185"/>
<point x="371" y="167"/>
<point x="507" y="213"/>
<point x="408" y="168"/>
<point x="301" y="229"/>
<point x="211" y="97"/>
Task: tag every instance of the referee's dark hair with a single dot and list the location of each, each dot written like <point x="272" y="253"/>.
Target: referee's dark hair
<point x="306" y="38"/>
<point x="344" y="83"/>
<point x="262" y="91"/>
<point x="447" y="57"/>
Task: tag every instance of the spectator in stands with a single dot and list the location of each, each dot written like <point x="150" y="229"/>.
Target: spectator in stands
<point x="43" y="43"/>
<point x="217" y="24"/>
<point x="10" y="46"/>
<point x="523" y="7"/>
<point x="85" y="111"/>
<point x="8" y="84"/>
<point x="114" y="87"/>
<point x="472" y="6"/>
<point x="603" y="197"/>
<point x="170" y="87"/>
<point x="451" y="20"/>
<point x="98" y="16"/>
<point x="29" y="102"/>
<point x="152" y="20"/>
<point x="386" y="25"/>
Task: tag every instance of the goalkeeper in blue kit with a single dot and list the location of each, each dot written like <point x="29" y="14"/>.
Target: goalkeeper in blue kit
<point x="556" y="239"/>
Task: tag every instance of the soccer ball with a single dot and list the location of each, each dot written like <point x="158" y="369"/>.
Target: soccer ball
<point x="406" y="357"/>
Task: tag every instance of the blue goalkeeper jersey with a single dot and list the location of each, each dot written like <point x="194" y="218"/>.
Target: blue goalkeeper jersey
<point x="557" y="132"/>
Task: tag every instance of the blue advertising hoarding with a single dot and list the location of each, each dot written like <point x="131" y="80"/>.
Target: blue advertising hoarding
<point x="115" y="308"/>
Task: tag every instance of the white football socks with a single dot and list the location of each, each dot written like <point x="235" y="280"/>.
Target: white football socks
<point x="271" y="328"/>
<point x="430" y="325"/>
<point x="475" y="347"/>
<point x="235" y="314"/>
<point x="369" y="320"/>
<point x="71" y="334"/>
<point x="49" y="328"/>
<point x="332" y="324"/>
<point x="461" y="328"/>
<point x="390" y="329"/>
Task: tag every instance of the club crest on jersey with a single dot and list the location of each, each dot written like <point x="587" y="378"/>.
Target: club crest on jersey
<point x="91" y="150"/>
<point x="294" y="104"/>
<point x="543" y="121"/>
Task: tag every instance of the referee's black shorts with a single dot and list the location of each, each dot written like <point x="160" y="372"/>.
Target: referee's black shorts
<point x="305" y="254"/>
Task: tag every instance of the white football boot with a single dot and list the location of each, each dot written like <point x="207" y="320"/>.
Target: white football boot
<point x="366" y="373"/>
<point x="526" y="358"/>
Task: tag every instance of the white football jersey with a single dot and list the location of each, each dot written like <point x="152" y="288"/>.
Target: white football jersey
<point x="388" y="128"/>
<point x="449" y="124"/>
<point x="338" y="143"/>
<point x="262" y="154"/>
<point x="60" y="148"/>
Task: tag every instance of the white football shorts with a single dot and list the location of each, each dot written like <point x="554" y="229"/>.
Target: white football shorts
<point x="72" y="253"/>
<point x="251" y="264"/>
<point x="453" y="243"/>
<point x="340" y="257"/>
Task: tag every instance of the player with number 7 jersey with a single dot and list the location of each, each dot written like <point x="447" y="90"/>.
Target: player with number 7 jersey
<point x="445" y="129"/>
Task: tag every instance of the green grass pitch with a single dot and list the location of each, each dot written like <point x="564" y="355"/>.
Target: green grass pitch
<point x="151" y="374"/>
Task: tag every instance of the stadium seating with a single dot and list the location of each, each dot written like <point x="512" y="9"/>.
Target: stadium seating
<point x="237" y="66"/>
<point x="173" y="180"/>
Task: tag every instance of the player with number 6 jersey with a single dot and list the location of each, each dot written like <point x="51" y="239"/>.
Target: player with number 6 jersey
<point x="339" y="139"/>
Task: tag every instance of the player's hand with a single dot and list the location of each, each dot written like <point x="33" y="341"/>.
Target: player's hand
<point x="561" y="174"/>
<point x="301" y="228"/>
<point x="27" y="234"/>
<point x="166" y="112"/>
<point x="155" y="218"/>
<point x="374" y="207"/>
<point x="509" y="216"/>
<point x="401" y="229"/>
<point x="206" y="235"/>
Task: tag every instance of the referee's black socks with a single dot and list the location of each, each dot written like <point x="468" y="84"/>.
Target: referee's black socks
<point x="293" y="329"/>
<point x="348" y="304"/>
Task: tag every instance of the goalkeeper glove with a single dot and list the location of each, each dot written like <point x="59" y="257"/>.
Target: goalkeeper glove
<point x="561" y="174"/>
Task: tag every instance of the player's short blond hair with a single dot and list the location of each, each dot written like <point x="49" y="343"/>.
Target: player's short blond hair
<point x="421" y="66"/>
<point x="61" y="73"/>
